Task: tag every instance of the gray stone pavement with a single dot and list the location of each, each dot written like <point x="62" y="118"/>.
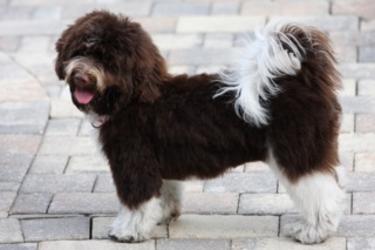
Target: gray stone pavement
<point x="55" y="188"/>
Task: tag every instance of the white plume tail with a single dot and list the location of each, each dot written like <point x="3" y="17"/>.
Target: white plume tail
<point x="275" y="52"/>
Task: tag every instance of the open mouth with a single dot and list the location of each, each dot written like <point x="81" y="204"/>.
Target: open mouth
<point x="83" y="96"/>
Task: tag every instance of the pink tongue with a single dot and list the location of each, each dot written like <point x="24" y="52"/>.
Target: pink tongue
<point x="83" y="96"/>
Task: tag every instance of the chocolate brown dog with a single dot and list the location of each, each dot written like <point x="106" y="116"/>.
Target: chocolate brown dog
<point x="278" y="105"/>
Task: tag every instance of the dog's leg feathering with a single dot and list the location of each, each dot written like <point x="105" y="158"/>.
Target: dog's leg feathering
<point x="135" y="225"/>
<point x="320" y="197"/>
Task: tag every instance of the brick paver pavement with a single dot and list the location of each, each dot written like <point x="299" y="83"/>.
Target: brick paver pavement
<point x="55" y="188"/>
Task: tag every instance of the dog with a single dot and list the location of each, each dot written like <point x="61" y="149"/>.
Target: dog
<point x="277" y="105"/>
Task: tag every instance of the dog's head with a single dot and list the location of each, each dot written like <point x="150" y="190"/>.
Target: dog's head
<point x="108" y="61"/>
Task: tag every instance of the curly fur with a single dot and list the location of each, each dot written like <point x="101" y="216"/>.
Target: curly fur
<point x="163" y="127"/>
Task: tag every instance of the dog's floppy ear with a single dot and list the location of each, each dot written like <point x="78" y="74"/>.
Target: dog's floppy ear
<point x="59" y="67"/>
<point x="147" y="78"/>
<point x="62" y="50"/>
<point x="149" y="68"/>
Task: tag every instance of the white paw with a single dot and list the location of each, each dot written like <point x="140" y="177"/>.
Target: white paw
<point x="120" y="232"/>
<point x="135" y="225"/>
<point x="306" y="233"/>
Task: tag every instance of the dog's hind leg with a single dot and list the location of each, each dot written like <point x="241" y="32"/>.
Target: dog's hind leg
<point x="320" y="197"/>
<point x="171" y="200"/>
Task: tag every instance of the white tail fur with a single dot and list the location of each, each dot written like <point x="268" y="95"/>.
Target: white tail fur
<point x="261" y="61"/>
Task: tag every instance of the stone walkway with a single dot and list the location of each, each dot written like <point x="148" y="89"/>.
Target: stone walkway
<point x="55" y="188"/>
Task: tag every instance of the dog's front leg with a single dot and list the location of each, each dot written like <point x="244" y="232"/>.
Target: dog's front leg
<point x="135" y="225"/>
<point x="139" y="189"/>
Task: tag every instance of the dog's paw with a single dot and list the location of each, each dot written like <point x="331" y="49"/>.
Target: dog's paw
<point x="128" y="236"/>
<point x="305" y="233"/>
<point x="169" y="217"/>
<point x="171" y="208"/>
<point x="125" y="232"/>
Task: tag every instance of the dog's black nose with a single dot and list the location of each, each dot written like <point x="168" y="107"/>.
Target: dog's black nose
<point x="81" y="79"/>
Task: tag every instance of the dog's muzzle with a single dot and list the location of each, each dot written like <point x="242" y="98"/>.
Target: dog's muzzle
<point x="85" y="79"/>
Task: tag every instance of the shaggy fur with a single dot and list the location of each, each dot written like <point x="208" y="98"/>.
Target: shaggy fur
<point x="158" y="126"/>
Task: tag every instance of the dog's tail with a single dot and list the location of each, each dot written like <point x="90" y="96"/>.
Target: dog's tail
<point x="279" y="51"/>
